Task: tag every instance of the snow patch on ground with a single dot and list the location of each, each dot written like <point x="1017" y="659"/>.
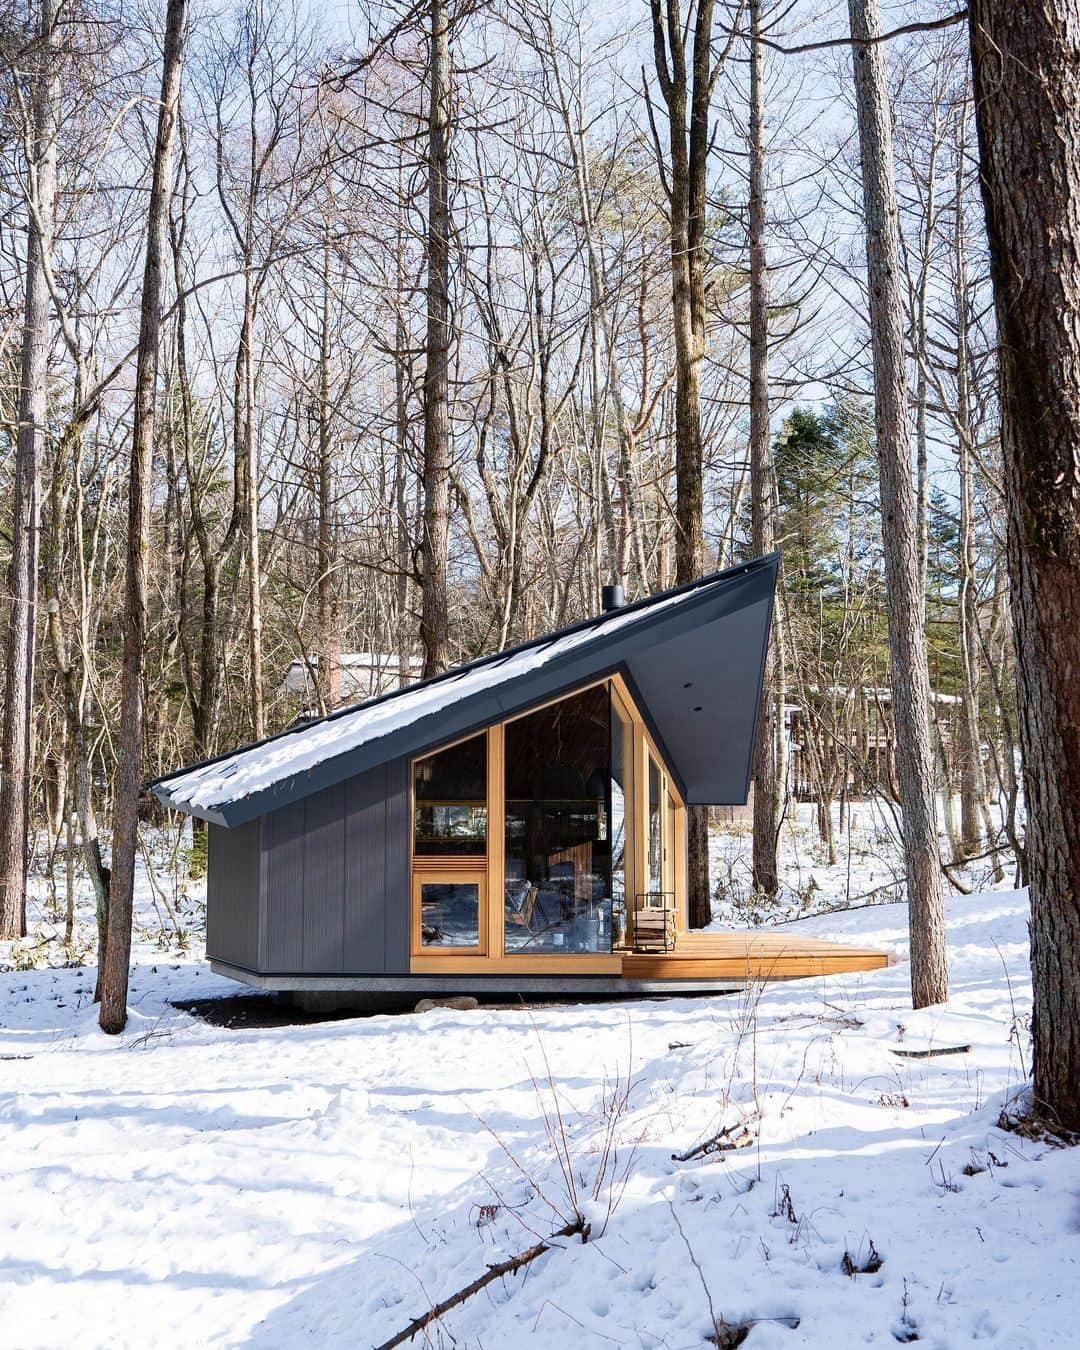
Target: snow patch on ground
<point x="322" y="1184"/>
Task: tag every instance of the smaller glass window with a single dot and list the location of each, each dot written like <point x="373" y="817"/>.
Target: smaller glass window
<point x="450" y="914"/>
<point x="450" y="801"/>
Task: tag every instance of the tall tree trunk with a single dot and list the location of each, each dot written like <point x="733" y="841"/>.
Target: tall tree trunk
<point x="904" y="601"/>
<point x="762" y="474"/>
<point x="114" y="981"/>
<point x="329" y="668"/>
<point x="82" y="787"/>
<point x="245" y="419"/>
<point x="922" y="357"/>
<point x="972" y="775"/>
<point x="687" y="90"/>
<point x="434" y="615"/>
<point x="16" y="747"/>
<point x="403" y="534"/>
<point x="1024" y="59"/>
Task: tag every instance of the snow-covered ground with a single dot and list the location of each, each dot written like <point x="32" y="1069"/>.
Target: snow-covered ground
<point x="321" y="1184"/>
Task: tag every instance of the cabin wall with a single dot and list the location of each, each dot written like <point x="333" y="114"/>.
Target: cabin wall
<point x="232" y="894"/>
<point x="335" y="879"/>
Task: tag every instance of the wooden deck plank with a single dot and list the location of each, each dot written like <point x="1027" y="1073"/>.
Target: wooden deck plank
<point x="751" y="955"/>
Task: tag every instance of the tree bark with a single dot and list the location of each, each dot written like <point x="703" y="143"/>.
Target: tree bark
<point x="245" y="424"/>
<point x="16" y="746"/>
<point x="972" y="775"/>
<point x="114" y="981"/>
<point x="1024" y="59"/>
<point x="329" y="667"/>
<point x="434" y="603"/>
<point x="82" y="788"/>
<point x="762" y="475"/>
<point x="687" y="91"/>
<point x="904" y="601"/>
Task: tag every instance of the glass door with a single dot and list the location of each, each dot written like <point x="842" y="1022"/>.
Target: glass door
<point x="557" y="845"/>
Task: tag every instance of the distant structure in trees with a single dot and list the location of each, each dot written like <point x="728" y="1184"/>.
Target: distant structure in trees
<point x="358" y="675"/>
<point x="855" y="744"/>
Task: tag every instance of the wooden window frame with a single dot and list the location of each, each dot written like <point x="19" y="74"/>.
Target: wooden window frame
<point x="456" y="873"/>
<point x="490" y="956"/>
<point x="673" y="869"/>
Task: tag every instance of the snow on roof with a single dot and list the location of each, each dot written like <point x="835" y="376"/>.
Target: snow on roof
<point x="205" y="788"/>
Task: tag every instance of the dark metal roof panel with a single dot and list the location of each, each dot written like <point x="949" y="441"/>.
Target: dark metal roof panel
<point x="699" y="646"/>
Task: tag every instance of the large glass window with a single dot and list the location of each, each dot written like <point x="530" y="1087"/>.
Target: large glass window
<point x="450" y="801"/>
<point x="558" y="827"/>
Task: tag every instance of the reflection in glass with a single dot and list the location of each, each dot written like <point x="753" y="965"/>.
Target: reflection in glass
<point x="621" y="758"/>
<point x="558" y="843"/>
<point x="656" y="865"/>
<point x="450" y="791"/>
<point x="450" y="914"/>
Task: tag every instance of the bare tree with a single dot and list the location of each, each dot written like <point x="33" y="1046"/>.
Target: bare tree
<point x="435" y="618"/>
<point x="686" y="71"/>
<point x="903" y="576"/>
<point x="16" y="746"/>
<point x="1029" y="151"/>
<point x="117" y="955"/>
<point x="762" y="475"/>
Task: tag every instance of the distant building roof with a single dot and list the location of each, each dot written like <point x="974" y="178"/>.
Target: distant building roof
<point x="362" y="674"/>
<point x="693" y="656"/>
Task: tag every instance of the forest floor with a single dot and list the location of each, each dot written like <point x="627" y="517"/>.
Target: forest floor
<point x="323" y="1183"/>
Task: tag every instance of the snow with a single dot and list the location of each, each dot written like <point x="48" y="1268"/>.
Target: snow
<point x="254" y="768"/>
<point x="323" y="1183"/>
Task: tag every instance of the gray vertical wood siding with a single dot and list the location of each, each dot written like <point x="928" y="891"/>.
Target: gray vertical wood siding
<point x="335" y="879"/>
<point x="232" y="894"/>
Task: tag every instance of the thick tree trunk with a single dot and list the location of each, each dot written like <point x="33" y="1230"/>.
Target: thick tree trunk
<point x="1025" y="59"/>
<point x="687" y="91"/>
<point x="16" y="743"/>
<point x="904" y="602"/>
<point x="434" y="616"/>
<point x="762" y="475"/>
<point x="114" y="974"/>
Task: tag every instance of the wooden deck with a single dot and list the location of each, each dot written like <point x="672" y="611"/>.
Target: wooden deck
<point x="771" y="955"/>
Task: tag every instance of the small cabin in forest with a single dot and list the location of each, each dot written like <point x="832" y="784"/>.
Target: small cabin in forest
<point x="517" y="824"/>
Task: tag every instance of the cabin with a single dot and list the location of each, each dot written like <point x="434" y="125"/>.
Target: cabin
<point x="515" y="825"/>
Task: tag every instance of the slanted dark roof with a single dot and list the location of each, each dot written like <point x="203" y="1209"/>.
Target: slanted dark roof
<point x="693" y="657"/>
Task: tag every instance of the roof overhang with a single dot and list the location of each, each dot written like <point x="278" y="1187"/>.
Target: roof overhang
<point x="694" y="660"/>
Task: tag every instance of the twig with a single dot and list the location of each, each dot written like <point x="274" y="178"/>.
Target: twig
<point x="493" y="1273"/>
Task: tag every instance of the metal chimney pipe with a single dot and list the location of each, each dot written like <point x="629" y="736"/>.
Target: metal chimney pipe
<point x="612" y="597"/>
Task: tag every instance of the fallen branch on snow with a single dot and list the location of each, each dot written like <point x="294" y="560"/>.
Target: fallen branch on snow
<point x="730" y="1137"/>
<point x="493" y="1273"/>
<point x="935" y="1050"/>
